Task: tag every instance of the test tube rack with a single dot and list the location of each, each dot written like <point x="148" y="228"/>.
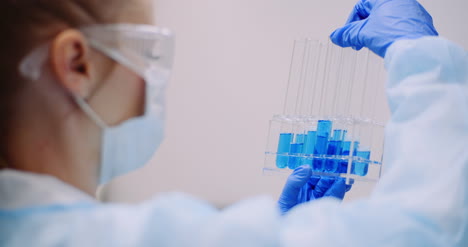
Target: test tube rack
<point x="332" y="118"/>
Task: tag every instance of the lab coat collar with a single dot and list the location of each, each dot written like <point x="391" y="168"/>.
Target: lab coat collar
<point x="24" y="190"/>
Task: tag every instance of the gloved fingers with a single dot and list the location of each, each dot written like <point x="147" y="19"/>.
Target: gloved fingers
<point x="313" y="181"/>
<point x="298" y="178"/>
<point x="364" y="7"/>
<point x="337" y="190"/>
<point x="354" y="16"/>
<point x="322" y="186"/>
<point x="361" y="11"/>
<point x="293" y="186"/>
<point x="306" y="193"/>
<point x="348" y="36"/>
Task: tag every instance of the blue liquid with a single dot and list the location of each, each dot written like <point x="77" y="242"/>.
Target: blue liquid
<point x="301" y="138"/>
<point x="339" y="135"/>
<point x="320" y="149"/>
<point x="283" y="150"/>
<point x="296" y="149"/>
<point x="343" y="166"/>
<point x="309" y="147"/>
<point x="361" y="168"/>
<point x="345" y="151"/>
<point x="324" y="128"/>
<point x="318" y="164"/>
<point x="334" y="148"/>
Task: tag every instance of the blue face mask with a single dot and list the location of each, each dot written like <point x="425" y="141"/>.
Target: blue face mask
<point x="130" y="145"/>
<point x="147" y="51"/>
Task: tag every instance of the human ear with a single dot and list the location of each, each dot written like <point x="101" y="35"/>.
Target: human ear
<point x="69" y="57"/>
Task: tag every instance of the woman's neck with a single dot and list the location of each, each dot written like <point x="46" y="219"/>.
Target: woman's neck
<point x="57" y="140"/>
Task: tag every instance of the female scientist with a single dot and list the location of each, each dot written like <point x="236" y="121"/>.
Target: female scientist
<point x="82" y="101"/>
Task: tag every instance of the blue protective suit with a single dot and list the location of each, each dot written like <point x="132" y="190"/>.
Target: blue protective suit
<point x="422" y="199"/>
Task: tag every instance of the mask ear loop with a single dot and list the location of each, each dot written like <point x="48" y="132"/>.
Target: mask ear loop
<point x="90" y="112"/>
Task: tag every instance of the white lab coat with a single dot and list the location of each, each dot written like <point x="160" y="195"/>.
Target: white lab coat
<point x="422" y="199"/>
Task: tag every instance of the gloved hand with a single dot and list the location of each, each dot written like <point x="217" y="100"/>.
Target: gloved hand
<point x="376" y="24"/>
<point x="303" y="187"/>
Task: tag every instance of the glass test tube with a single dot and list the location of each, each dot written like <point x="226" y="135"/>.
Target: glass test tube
<point x="323" y="133"/>
<point x="283" y="150"/>
<point x="334" y="150"/>
<point x="296" y="151"/>
<point x="309" y="147"/>
<point x="361" y="167"/>
<point x="345" y="152"/>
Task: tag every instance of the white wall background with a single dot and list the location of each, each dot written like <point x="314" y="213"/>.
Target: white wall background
<point x="229" y="79"/>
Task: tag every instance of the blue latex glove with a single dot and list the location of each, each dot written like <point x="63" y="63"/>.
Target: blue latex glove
<point x="303" y="187"/>
<point x="376" y="24"/>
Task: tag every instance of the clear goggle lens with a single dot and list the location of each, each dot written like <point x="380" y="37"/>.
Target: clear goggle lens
<point x="139" y="47"/>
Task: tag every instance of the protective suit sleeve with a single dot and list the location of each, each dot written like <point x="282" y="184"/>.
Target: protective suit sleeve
<point x="167" y="221"/>
<point x="179" y="220"/>
<point x="422" y="198"/>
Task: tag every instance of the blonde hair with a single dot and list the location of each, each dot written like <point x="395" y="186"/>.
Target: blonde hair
<point x="25" y="24"/>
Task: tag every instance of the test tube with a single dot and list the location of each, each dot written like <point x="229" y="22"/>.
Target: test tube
<point x="309" y="147"/>
<point x="295" y="151"/>
<point x="334" y="149"/>
<point x="323" y="133"/>
<point x="283" y="150"/>
<point x="361" y="167"/>
<point x="345" y="152"/>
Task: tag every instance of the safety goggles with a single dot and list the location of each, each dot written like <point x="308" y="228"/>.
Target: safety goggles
<point x="141" y="48"/>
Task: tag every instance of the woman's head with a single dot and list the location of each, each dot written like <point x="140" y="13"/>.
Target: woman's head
<point x="26" y="24"/>
<point x="41" y="116"/>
